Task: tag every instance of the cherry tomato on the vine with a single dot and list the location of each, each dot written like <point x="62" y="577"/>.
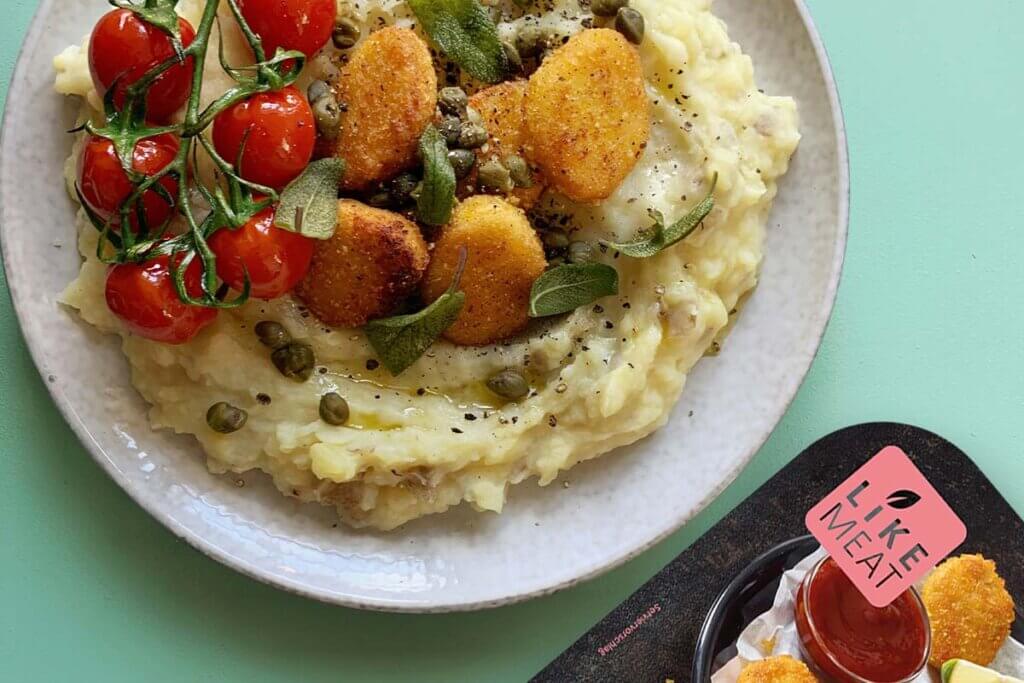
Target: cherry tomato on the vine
<point x="303" y="25"/>
<point x="143" y="296"/>
<point x="275" y="259"/>
<point x="279" y="134"/>
<point x="123" y="48"/>
<point x="105" y="185"/>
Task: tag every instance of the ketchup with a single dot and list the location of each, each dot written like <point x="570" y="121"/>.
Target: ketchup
<point x="849" y="639"/>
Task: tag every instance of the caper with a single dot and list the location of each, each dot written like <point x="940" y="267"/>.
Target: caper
<point x="581" y="252"/>
<point x="530" y="40"/>
<point x="226" y="418"/>
<point x="379" y="200"/>
<point x="493" y="176"/>
<point x="272" y="334"/>
<point x="607" y="8"/>
<point x="450" y="128"/>
<point x="462" y="161"/>
<point x="473" y="135"/>
<point x="346" y="33"/>
<point x="327" y="115"/>
<point x="473" y="116"/>
<point x="556" y="262"/>
<point x="509" y="384"/>
<point x="556" y="239"/>
<point x="630" y="23"/>
<point x="453" y="100"/>
<point x="334" y="409"/>
<point x="519" y="170"/>
<point x="324" y="68"/>
<point x="402" y="188"/>
<point x="316" y="90"/>
<point x="515" y="62"/>
<point x="295" y="361"/>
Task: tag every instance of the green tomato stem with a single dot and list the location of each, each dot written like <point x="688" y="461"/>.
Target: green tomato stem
<point x="127" y="127"/>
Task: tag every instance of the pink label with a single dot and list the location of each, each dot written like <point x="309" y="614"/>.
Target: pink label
<point x="886" y="526"/>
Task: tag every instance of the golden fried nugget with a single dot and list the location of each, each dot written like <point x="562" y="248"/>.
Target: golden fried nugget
<point x="970" y="610"/>
<point x="782" y="669"/>
<point x="502" y="108"/>
<point x="374" y="261"/>
<point x="505" y="257"/>
<point x="388" y="92"/>
<point x="588" y="116"/>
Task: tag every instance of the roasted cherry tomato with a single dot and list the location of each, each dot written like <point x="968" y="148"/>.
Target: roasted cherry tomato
<point x="275" y="259"/>
<point x="143" y="296"/>
<point x="123" y="48"/>
<point x="105" y="185"/>
<point x="279" y="134"/>
<point x="303" y="25"/>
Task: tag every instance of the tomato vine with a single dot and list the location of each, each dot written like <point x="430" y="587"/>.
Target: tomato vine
<point x="231" y="200"/>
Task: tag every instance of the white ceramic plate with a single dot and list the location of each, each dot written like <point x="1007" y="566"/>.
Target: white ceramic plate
<point x="547" y="539"/>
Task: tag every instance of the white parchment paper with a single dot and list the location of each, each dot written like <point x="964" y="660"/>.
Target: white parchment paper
<point x="774" y="633"/>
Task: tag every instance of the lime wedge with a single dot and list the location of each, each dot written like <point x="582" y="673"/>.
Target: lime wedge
<point x="962" y="671"/>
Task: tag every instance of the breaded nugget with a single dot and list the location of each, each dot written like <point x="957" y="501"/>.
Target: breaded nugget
<point x="388" y="92"/>
<point x="782" y="669"/>
<point x="970" y="610"/>
<point x="374" y="261"/>
<point x="503" y="110"/>
<point x="505" y="257"/>
<point x="587" y="115"/>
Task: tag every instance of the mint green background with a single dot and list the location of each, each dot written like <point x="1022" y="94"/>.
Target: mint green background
<point x="928" y="329"/>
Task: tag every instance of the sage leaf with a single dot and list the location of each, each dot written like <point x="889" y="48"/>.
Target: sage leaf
<point x="568" y="287"/>
<point x="309" y="205"/>
<point x="400" y="341"/>
<point x="463" y="30"/>
<point x="659" y="237"/>
<point x="437" y="197"/>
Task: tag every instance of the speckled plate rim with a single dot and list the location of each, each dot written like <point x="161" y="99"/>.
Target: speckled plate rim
<point x="820" y="321"/>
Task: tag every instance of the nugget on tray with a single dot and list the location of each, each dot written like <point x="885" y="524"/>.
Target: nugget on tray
<point x="782" y="669"/>
<point x="970" y="610"/>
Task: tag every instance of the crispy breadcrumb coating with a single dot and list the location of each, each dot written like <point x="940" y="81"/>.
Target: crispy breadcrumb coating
<point x="388" y="94"/>
<point x="503" y="110"/>
<point x="588" y="115"/>
<point x="505" y="257"/>
<point x="970" y="610"/>
<point x="375" y="260"/>
<point x="782" y="669"/>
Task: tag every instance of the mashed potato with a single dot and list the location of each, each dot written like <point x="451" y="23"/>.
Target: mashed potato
<point x="603" y="377"/>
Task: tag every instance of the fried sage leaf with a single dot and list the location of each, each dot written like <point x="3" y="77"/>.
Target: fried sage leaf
<point x="437" y="197"/>
<point x="309" y="205"/>
<point x="463" y="30"/>
<point x="660" y="237"/>
<point x="568" y="287"/>
<point x="400" y="341"/>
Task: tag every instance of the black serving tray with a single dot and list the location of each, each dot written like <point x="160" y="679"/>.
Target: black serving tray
<point x="750" y="594"/>
<point x="736" y="566"/>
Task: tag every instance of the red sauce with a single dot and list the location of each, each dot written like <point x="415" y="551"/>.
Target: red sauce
<point x="881" y="645"/>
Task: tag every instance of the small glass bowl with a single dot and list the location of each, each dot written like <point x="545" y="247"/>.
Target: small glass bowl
<point x="823" y="661"/>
